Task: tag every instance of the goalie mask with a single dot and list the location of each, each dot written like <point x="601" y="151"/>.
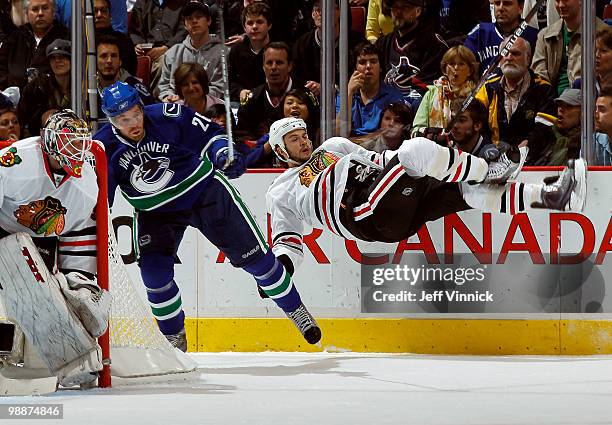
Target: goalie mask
<point x="67" y="139"/>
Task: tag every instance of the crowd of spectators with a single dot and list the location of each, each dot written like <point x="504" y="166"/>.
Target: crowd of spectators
<point x="412" y="65"/>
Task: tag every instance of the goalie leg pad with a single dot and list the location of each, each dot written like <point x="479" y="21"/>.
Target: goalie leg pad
<point x="83" y="371"/>
<point x="90" y="302"/>
<point x="33" y="300"/>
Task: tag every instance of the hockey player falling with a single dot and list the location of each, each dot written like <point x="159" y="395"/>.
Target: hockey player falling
<point x="171" y="165"/>
<point x="362" y="195"/>
<point x="48" y="196"/>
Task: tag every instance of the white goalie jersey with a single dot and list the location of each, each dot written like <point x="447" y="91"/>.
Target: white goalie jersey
<point x="311" y="194"/>
<point x="35" y="201"/>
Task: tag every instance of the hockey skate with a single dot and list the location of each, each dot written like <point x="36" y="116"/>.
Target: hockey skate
<point x="567" y="192"/>
<point x="507" y="166"/>
<point x="178" y="340"/>
<point x="306" y="324"/>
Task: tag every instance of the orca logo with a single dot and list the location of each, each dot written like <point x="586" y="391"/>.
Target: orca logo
<point x="152" y="174"/>
<point x="407" y="191"/>
<point x="401" y="75"/>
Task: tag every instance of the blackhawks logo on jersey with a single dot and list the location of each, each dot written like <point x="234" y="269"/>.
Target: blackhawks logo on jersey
<point x="45" y="216"/>
<point x="10" y="158"/>
<point x="318" y="162"/>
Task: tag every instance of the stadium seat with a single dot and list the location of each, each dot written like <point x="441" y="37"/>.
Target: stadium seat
<point x="358" y="17"/>
<point x="143" y="69"/>
<point x="607" y="12"/>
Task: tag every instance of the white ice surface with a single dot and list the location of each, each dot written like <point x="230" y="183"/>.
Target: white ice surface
<point x="349" y="388"/>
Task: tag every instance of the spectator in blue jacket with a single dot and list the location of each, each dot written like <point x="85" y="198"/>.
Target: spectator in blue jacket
<point x="368" y="95"/>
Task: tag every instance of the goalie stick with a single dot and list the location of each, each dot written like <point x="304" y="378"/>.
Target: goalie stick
<point x="485" y="75"/>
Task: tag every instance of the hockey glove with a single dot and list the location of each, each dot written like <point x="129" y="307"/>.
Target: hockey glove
<point x="233" y="170"/>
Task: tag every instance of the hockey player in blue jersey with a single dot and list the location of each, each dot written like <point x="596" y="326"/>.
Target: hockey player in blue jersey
<point x="171" y="165"/>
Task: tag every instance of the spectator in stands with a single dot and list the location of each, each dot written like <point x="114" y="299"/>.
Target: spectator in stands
<point x="367" y="94"/>
<point x="394" y="128"/>
<point x="459" y="77"/>
<point x="515" y="98"/>
<point x="603" y="57"/>
<point x="117" y="14"/>
<point x="545" y="16"/>
<point x="307" y="49"/>
<point x="470" y="131"/>
<point x="303" y="103"/>
<point x="298" y="103"/>
<point x="110" y="70"/>
<point x="191" y="81"/>
<point x="284" y="14"/>
<point x="12" y="16"/>
<point x="410" y="56"/>
<point x="603" y="126"/>
<point x="25" y="48"/>
<point x="603" y="60"/>
<point x="378" y="22"/>
<point x="485" y="38"/>
<point x="47" y="91"/>
<point x="157" y="23"/>
<point x="246" y="57"/>
<point x="199" y="46"/>
<point x="458" y="17"/>
<point x="10" y="129"/>
<point x="265" y="104"/>
<point x="217" y="113"/>
<point x="561" y="136"/>
<point x="102" y="21"/>
<point x="557" y="56"/>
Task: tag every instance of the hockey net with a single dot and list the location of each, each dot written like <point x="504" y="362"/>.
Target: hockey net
<point x="133" y="346"/>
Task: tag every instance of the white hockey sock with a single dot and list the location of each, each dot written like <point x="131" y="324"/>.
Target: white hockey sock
<point x="422" y="157"/>
<point x="511" y="198"/>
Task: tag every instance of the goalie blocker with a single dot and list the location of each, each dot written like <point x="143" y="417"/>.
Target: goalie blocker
<point x="58" y="315"/>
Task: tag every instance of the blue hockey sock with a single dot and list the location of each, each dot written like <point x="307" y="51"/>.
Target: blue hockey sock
<point x="164" y="296"/>
<point x="272" y="277"/>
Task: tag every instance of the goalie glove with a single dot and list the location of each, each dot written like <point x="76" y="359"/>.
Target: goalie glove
<point x="89" y="302"/>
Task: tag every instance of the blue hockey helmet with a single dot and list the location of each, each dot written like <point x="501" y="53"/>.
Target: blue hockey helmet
<point x="118" y="98"/>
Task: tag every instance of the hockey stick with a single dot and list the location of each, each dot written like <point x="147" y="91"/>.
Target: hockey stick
<point x="226" y="93"/>
<point x="485" y="75"/>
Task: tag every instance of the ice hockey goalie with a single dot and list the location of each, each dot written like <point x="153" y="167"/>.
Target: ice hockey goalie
<point x="51" y="309"/>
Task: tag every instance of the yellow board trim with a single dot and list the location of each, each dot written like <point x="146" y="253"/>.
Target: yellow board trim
<point x="420" y="336"/>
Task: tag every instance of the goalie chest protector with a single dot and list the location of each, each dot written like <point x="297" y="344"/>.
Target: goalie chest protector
<point x="32" y="202"/>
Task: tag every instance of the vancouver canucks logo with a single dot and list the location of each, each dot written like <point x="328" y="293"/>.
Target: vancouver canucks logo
<point x="152" y="174"/>
<point x="402" y="74"/>
<point x="10" y="158"/>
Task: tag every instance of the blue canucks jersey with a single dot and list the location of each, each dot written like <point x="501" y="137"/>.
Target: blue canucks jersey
<point x="170" y="167"/>
<point x="485" y="38"/>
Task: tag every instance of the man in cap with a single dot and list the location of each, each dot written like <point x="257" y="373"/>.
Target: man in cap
<point x="47" y="91"/>
<point x="386" y="197"/>
<point x="565" y="132"/>
<point x="199" y="46"/>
